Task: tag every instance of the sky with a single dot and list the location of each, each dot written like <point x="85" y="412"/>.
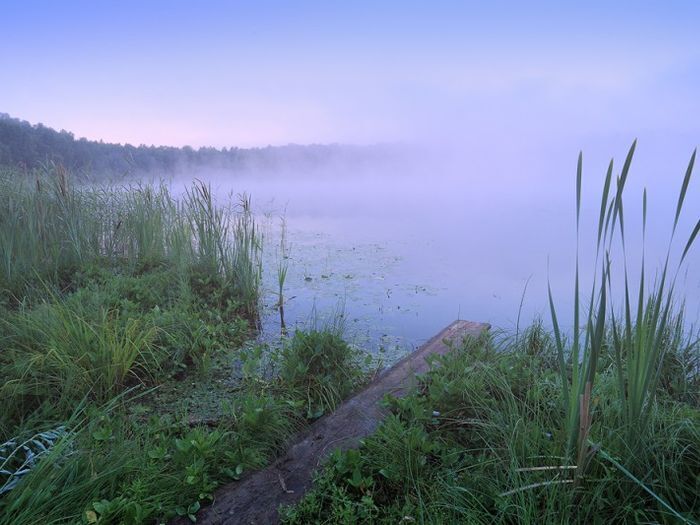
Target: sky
<point x="256" y="73"/>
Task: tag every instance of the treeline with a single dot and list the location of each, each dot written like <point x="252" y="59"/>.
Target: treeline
<point x="30" y="146"/>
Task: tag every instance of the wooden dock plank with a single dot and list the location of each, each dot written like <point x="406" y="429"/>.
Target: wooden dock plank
<point x="255" y="498"/>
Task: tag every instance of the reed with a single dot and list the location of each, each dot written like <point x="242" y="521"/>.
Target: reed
<point x="282" y="268"/>
<point x="578" y="362"/>
<point x="649" y="327"/>
<point x="640" y="338"/>
<point x="103" y="287"/>
<point x="51" y="229"/>
<point x="245" y="268"/>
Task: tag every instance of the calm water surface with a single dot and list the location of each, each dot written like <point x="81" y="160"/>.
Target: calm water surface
<point x="406" y="246"/>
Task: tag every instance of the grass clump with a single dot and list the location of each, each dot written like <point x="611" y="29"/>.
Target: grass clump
<point x="322" y="367"/>
<point x="59" y="356"/>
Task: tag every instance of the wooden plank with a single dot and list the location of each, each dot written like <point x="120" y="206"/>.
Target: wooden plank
<point x="255" y="498"/>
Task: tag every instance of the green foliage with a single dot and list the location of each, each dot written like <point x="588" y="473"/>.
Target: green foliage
<point x="680" y="364"/>
<point x="321" y="367"/>
<point x="30" y="146"/>
<point x="114" y="468"/>
<point x="114" y="332"/>
<point x="480" y="441"/>
<point x="262" y="418"/>
<point x="57" y="356"/>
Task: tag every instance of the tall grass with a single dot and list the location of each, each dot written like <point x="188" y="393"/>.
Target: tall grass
<point x="282" y="269"/>
<point x="579" y="362"/>
<point x="56" y="355"/>
<point x="44" y="228"/>
<point x="639" y="339"/>
<point x="50" y="229"/>
<point x="245" y="267"/>
<point x="226" y="241"/>
<point x="105" y="287"/>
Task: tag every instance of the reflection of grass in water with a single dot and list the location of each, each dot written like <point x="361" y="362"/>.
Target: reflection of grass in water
<point x="282" y="268"/>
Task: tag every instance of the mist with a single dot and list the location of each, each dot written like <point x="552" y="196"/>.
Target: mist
<point x="404" y="240"/>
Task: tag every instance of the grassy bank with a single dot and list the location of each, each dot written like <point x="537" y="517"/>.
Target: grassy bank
<point x="108" y="288"/>
<point x="124" y="311"/>
<point x="481" y="440"/>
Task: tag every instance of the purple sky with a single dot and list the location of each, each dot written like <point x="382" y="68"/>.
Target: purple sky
<point x="258" y="73"/>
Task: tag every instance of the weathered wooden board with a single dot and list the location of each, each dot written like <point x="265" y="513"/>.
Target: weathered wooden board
<point x="255" y="499"/>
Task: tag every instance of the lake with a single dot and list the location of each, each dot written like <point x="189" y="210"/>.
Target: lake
<point x="401" y="246"/>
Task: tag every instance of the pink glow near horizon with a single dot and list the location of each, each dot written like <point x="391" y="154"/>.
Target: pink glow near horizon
<point x="236" y="75"/>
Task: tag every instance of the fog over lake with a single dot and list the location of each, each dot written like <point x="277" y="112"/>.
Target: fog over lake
<point x="406" y="243"/>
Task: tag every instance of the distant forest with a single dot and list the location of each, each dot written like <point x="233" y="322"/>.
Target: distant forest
<point x="30" y="146"/>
